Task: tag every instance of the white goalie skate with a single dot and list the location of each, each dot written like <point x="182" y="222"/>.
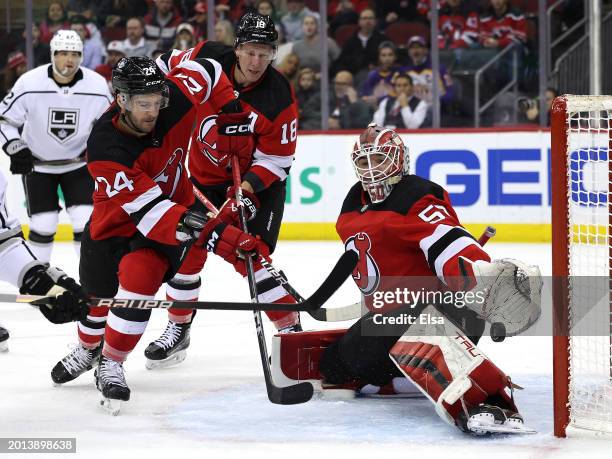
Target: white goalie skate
<point x="488" y="419"/>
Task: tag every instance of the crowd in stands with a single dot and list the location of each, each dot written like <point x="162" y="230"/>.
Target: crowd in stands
<point x="378" y="51"/>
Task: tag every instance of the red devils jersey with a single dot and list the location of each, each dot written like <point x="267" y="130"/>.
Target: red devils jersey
<point x="414" y="232"/>
<point x="510" y="27"/>
<point x="458" y="27"/>
<point x="273" y="108"/>
<point x="141" y="182"/>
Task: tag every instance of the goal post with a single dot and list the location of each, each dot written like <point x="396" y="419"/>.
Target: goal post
<point x="581" y="181"/>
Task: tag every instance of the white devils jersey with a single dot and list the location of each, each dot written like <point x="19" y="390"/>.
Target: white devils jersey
<point x="56" y="120"/>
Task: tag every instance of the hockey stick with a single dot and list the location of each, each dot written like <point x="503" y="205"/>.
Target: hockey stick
<point x="334" y="280"/>
<point x="356" y="310"/>
<point x="290" y="395"/>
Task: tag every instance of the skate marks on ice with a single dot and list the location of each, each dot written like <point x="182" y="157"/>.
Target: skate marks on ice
<point x="216" y="415"/>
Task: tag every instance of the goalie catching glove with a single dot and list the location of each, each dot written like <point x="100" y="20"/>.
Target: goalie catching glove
<point x="65" y="300"/>
<point x="511" y="291"/>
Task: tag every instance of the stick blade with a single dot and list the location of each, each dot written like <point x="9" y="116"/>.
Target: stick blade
<point x="291" y="395"/>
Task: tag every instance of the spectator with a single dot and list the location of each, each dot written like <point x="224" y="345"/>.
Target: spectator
<point x="342" y="12"/>
<point x="419" y="69"/>
<point x="292" y="20"/>
<point x="390" y="11"/>
<point x="135" y="43"/>
<point x="267" y="8"/>
<point x="458" y="25"/>
<point x="404" y="110"/>
<point x="346" y="110"/>
<point x="289" y="67"/>
<point x="199" y="21"/>
<point x="306" y="87"/>
<point x="42" y="52"/>
<point x="224" y="32"/>
<point x="185" y="37"/>
<point x="122" y="9"/>
<point x="161" y="23"/>
<point x="502" y="25"/>
<point x="95" y="11"/>
<point x="16" y="66"/>
<point x="92" y="51"/>
<point x="114" y="53"/>
<point x="531" y="107"/>
<point x="360" y="52"/>
<point x="55" y="20"/>
<point x="378" y="83"/>
<point x="283" y="47"/>
<point x="233" y="10"/>
<point x="308" y="49"/>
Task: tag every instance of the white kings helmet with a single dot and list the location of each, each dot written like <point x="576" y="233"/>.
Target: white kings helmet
<point x="66" y="40"/>
<point x="380" y="159"/>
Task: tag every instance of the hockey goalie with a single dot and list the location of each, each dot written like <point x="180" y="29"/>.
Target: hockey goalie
<point x="403" y="228"/>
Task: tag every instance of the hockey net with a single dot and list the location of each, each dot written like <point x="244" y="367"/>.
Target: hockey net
<point x="582" y="250"/>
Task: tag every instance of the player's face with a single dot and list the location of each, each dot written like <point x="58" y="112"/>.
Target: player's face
<point x="254" y="59"/>
<point x="67" y="62"/>
<point x="143" y="111"/>
<point x="378" y="163"/>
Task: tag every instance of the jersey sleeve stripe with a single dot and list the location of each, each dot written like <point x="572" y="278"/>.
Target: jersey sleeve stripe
<point x="153" y="216"/>
<point x="278" y="165"/>
<point x="449" y="252"/>
<point x="142" y="200"/>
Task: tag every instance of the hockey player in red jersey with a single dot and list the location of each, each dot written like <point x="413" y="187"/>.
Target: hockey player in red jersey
<point x="142" y="227"/>
<point x="265" y="163"/>
<point x="407" y="234"/>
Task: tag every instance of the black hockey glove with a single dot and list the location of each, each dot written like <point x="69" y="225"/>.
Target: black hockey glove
<point x="22" y="161"/>
<point x="65" y="300"/>
<point x="190" y="225"/>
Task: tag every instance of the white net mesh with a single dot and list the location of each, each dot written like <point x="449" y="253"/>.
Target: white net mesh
<point x="590" y="215"/>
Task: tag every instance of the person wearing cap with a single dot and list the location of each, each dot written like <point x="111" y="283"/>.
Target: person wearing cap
<point x="185" y="37"/>
<point x="135" y="44"/>
<point x="114" y="53"/>
<point x="199" y="20"/>
<point x="16" y="65"/>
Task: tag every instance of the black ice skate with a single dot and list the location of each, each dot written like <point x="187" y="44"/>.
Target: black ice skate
<point x="79" y="361"/>
<point x="4" y="336"/>
<point x="170" y="348"/>
<point x="486" y="419"/>
<point x="110" y="381"/>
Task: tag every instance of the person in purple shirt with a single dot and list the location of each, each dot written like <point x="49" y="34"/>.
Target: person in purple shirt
<point x="378" y="83"/>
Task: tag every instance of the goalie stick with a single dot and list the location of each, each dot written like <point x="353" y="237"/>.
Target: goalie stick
<point x="356" y="310"/>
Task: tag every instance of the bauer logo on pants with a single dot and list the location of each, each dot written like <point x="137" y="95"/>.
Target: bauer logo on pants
<point x="63" y="123"/>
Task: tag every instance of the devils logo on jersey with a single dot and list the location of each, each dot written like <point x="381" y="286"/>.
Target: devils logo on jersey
<point x="175" y="161"/>
<point x="366" y="274"/>
<point x="207" y="137"/>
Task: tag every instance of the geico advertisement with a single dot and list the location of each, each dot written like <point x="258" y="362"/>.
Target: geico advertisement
<point x="491" y="177"/>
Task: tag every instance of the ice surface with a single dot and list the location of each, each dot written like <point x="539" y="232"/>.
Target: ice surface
<point x="214" y="404"/>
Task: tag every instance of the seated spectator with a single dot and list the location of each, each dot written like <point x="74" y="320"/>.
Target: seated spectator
<point x="289" y="67"/>
<point x="306" y="86"/>
<point x="185" y="37"/>
<point x="42" y="52"/>
<point x="342" y="12"/>
<point x="114" y="53"/>
<point x="56" y="19"/>
<point x="267" y="8"/>
<point x="293" y="19"/>
<point x="390" y="11"/>
<point x="199" y="21"/>
<point x="419" y="69"/>
<point x="502" y="25"/>
<point x="161" y="23"/>
<point x="120" y="10"/>
<point x="531" y="107"/>
<point x="404" y="110"/>
<point x="378" y="83"/>
<point x="92" y="51"/>
<point x="458" y="25"/>
<point x="359" y="54"/>
<point x="16" y="66"/>
<point x="346" y="110"/>
<point x="135" y="43"/>
<point x="308" y="49"/>
<point x="94" y="11"/>
<point x="224" y="32"/>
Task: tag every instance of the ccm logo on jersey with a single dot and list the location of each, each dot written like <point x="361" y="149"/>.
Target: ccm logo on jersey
<point x="366" y="274"/>
<point x="63" y="123"/>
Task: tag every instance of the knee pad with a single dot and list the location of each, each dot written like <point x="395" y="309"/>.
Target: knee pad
<point x="79" y="216"/>
<point x="44" y="224"/>
<point x="142" y="271"/>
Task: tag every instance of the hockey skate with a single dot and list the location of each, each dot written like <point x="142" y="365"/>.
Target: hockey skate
<point x="487" y="419"/>
<point x="110" y="381"/>
<point x="4" y="336"/>
<point x="170" y="348"/>
<point x="79" y="361"/>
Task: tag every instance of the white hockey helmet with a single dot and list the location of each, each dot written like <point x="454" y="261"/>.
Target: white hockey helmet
<point x="66" y="40"/>
<point x="380" y="159"/>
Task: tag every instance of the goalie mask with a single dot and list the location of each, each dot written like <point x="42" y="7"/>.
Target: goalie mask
<point x="66" y="40"/>
<point x="380" y="159"/>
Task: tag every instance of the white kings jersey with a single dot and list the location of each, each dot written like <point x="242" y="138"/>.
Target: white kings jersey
<point x="56" y="120"/>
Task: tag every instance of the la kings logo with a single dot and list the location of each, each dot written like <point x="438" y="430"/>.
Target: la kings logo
<point x="366" y="274"/>
<point x="63" y="123"/>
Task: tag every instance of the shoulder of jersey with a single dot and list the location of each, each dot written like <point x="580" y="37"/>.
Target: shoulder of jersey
<point x="37" y="77"/>
<point x="106" y="143"/>
<point x="271" y="96"/>
<point x="404" y="196"/>
<point x="94" y="77"/>
<point x="217" y="51"/>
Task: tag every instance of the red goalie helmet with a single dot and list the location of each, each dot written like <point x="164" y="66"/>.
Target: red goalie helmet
<point x="380" y="159"/>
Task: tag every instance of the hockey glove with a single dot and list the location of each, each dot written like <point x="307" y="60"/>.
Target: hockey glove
<point x="190" y="226"/>
<point x="230" y="243"/>
<point x="229" y="210"/>
<point x="234" y="137"/>
<point x="65" y="300"/>
<point x="22" y="161"/>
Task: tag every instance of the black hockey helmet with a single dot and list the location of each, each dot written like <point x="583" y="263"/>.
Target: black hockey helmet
<point x="256" y="28"/>
<point x="138" y="75"/>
